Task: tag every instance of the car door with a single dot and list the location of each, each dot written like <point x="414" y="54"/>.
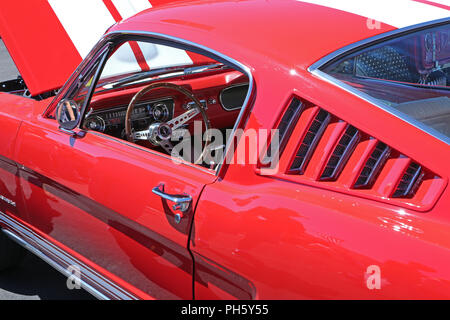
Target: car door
<point x="93" y="195"/>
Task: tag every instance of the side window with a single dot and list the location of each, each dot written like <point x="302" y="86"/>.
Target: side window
<point x="166" y="99"/>
<point x="410" y="73"/>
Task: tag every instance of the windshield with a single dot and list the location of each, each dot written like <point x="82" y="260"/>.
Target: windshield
<point x="410" y="74"/>
<point x="139" y="61"/>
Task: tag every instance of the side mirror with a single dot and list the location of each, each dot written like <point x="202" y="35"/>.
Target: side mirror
<point x="68" y="114"/>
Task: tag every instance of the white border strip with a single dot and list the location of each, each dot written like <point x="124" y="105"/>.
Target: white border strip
<point x="85" y="21"/>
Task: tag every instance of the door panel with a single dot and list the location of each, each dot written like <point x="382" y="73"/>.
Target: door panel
<point x="9" y="193"/>
<point x="94" y="195"/>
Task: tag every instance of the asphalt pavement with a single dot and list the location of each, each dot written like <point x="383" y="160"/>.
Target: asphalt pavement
<point x="33" y="279"/>
<point x="8" y="69"/>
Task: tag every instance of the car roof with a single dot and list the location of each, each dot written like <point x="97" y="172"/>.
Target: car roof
<point x="288" y="32"/>
<point x="281" y="33"/>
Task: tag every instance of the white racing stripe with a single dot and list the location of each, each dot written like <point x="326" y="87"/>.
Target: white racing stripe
<point x="85" y="21"/>
<point x="121" y="62"/>
<point x="397" y="13"/>
<point x="164" y="56"/>
<point x="156" y="56"/>
<point x="127" y="8"/>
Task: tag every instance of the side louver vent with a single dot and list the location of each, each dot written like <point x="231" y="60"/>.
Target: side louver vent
<point x="288" y="121"/>
<point x="327" y="152"/>
<point x="285" y="127"/>
<point x="310" y="141"/>
<point x="409" y="182"/>
<point x="341" y="154"/>
<point x="373" y="166"/>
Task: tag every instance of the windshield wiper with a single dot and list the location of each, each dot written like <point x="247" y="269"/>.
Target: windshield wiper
<point x="159" y="73"/>
<point x="139" y="76"/>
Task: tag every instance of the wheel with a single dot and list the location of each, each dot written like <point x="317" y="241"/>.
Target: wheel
<point x="11" y="254"/>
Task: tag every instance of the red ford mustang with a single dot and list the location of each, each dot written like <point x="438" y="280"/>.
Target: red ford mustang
<point x="231" y="149"/>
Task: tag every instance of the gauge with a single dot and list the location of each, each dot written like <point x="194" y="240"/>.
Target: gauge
<point x="95" y="123"/>
<point x="160" y="112"/>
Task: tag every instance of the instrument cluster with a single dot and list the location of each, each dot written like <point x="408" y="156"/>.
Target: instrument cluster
<point x="112" y="121"/>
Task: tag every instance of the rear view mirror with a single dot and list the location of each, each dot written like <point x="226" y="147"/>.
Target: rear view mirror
<point x="68" y="114"/>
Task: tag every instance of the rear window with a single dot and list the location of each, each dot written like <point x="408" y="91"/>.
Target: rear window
<point x="410" y="74"/>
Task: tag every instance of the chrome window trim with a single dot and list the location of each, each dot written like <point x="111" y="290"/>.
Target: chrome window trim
<point x="343" y="160"/>
<point x="227" y="88"/>
<point x="338" y="54"/>
<point x="90" y="280"/>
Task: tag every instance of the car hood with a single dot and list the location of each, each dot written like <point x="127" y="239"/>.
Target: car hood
<point x="47" y="39"/>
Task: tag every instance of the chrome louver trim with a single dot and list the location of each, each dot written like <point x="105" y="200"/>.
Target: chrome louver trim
<point x="373" y="166"/>
<point x="309" y="142"/>
<point x="288" y="121"/>
<point x="341" y="154"/>
<point x="285" y="128"/>
<point x="409" y="182"/>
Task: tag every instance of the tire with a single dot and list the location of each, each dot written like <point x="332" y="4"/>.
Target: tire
<point x="11" y="254"/>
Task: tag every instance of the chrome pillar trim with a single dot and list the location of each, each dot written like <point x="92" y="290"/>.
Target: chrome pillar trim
<point x="315" y="69"/>
<point x="90" y="280"/>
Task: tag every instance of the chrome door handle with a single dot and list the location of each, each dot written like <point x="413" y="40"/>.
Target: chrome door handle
<point x="182" y="201"/>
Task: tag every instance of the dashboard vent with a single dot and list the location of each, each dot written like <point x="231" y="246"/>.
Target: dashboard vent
<point x="341" y="154"/>
<point x="373" y="166"/>
<point x="309" y="142"/>
<point x="409" y="182"/>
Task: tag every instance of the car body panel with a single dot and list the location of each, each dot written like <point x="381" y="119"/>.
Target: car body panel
<point x="13" y="110"/>
<point x="253" y="236"/>
<point x="320" y="245"/>
<point x="71" y="190"/>
<point x="289" y="241"/>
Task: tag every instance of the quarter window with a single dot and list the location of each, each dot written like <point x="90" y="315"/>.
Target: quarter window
<point x="411" y="74"/>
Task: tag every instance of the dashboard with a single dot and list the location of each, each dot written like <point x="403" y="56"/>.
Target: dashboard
<point x="112" y="121"/>
<point x="222" y="104"/>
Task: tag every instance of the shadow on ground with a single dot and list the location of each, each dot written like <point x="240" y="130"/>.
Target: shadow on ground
<point x="36" y="280"/>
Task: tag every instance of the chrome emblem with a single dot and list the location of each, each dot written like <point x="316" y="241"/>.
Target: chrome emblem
<point x="8" y="201"/>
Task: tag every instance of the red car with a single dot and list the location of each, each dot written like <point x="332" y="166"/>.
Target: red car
<point x="232" y="149"/>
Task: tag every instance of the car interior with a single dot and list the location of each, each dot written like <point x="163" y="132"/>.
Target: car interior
<point x="156" y="96"/>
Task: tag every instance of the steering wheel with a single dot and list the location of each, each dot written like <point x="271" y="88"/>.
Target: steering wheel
<point x="161" y="133"/>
